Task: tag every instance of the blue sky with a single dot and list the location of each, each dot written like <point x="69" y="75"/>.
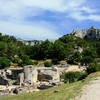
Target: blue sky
<point x="47" y="19"/>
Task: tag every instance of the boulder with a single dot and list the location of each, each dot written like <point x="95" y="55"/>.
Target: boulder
<point x="19" y="90"/>
<point x="44" y="85"/>
<point x="48" y="75"/>
<point x="55" y="91"/>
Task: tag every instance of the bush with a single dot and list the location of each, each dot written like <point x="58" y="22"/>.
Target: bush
<point x="26" y="61"/>
<point x="35" y="62"/>
<point x="83" y="75"/>
<point x="93" y="68"/>
<point x="75" y="58"/>
<point x="70" y="77"/>
<point x="55" y="61"/>
<point x="47" y="64"/>
<point x="4" y="62"/>
<point x="17" y="60"/>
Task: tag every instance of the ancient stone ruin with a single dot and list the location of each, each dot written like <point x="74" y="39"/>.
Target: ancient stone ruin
<point x="31" y="78"/>
<point x="38" y="76"/>
<point x="28" y="78"/>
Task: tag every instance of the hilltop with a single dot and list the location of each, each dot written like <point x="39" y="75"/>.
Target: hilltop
<point x="91" y="33"/>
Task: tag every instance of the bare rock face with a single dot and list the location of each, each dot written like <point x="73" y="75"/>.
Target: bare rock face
<point x="91" y="33"/>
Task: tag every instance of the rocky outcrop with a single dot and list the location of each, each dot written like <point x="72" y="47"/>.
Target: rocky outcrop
<point x="30" y="42"/>
<point x="91" y="33"/>
<point x="44" y="85"/>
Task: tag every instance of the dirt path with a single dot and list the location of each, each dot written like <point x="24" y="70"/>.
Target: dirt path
<point x="91" y="91"/>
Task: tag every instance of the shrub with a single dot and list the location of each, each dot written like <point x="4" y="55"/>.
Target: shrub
<point x="4" y="62"/>
<point x="47" y="64"/>
<point x="75" y="58"/>
<point x="83" y="75"/>
<point x="93" y="68"/>
<point x="17" y="60"/>
<point x="55" y="61"/>
<point x="70" y="77"/>
<point x="26" y="61"/>
<point x="35" y="62"/>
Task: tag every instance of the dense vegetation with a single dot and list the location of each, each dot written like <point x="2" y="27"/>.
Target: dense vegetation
<point x="70" y="77"/>
<point x="70" y="48"/>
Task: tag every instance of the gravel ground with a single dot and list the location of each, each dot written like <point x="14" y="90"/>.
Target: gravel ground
<point x="91" y="91"/>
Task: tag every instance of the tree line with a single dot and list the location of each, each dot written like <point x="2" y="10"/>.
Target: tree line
<point x="70" y="48"/>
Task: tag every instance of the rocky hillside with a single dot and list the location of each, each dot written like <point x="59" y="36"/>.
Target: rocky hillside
<point x="30" y="42"/>
<point x="91" y="33"/>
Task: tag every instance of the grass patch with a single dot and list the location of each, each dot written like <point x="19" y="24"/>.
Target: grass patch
<point x="66" y="91"/>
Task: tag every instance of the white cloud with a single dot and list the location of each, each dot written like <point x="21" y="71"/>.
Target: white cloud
<point x="88" y="10"/>
<point x="80" y="17"/>
<point x="95" y="17"/>
<point x="19" y="9"/>
<point x="82" y="12"/>
<point x="14" y="12"/>
<point x="13" y="15"/>
<point x="25" y="31"/>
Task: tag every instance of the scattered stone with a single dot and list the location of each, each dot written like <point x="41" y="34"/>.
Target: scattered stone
<point x="19" y="90"/>
<point x="55" y="91"/>
<point x="44" y="85"/>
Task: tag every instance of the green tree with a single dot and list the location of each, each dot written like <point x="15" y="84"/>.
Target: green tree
<point x="3" y="49"/>
<point x="93" y="67"/>
<point x="75" y="58"/>
<point x="26" y="60"/>
<point x="4" y="62"/>
<point x="88" y="56"/>
<point x="58" y="51"/>
<point x="47" y="64"/>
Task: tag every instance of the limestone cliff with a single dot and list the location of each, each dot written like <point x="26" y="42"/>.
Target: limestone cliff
<point x="30" y="42"/>
<point x="91" y="33"/>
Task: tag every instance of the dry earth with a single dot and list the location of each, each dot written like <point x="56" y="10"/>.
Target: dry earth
<point x="91" y="91"/>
